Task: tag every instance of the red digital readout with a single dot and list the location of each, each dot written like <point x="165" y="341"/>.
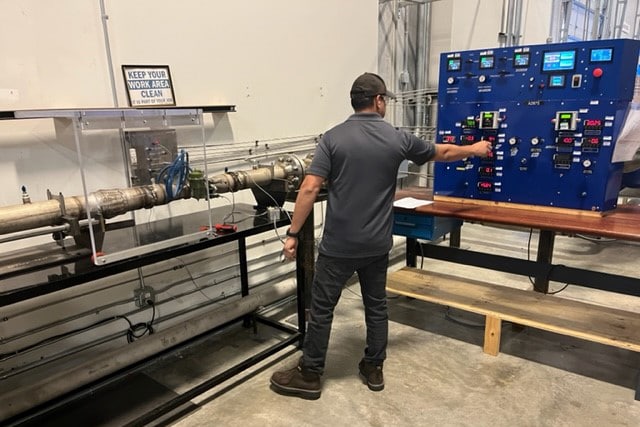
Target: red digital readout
<point x="468" y="138"/>
<point x="485" y="171"/>
<point x="567" y="140"/>
<point x="449" y="139"/>
<point x="491" y="138"/>
<point x="484" y="185"/>
<point x="593" y="123"/>
<point x="593" y="141"/>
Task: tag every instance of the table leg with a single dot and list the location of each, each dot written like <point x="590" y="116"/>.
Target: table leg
<point x="305" y="266"/>
<point x="411" y="253"/>
<point x="545" y="255"/>
<point x="454" y="237"/>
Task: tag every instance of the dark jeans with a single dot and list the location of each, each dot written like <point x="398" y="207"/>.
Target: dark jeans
<point x="330" y="276"/>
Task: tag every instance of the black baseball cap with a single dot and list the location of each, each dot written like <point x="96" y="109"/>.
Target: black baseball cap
<point x="370" y="85"/>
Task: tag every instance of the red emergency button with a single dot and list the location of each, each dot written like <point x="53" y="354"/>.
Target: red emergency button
<point x="597" y="72"/>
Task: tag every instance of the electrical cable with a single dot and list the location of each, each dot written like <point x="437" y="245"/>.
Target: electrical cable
<point x="448" y="316"/>
<point x="595" y="239"/>
<point x="55" y="338"/>
<point x="142" y="326"/>
<point x="193" y="280"/>
<point x="548" y="275"/>
<point x="174" y="175"/>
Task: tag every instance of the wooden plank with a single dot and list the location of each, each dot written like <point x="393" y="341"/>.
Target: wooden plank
<point x="492" y="331"/>
<point x="621" y="223"/>
<point x="536" y="208"/>
<point x="574" y="318"/>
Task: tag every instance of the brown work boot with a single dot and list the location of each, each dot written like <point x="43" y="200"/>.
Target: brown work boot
<point x="297" y="382"/>
<point x="371" y="375"/>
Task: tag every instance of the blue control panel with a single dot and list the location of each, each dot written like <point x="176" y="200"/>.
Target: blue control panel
<point x="553" y="113"/>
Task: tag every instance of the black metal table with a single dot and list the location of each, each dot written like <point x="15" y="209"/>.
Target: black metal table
<point x="75" y="269"/>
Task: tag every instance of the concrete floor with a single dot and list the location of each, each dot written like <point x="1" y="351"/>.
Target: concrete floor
<point x="436" y="372"/>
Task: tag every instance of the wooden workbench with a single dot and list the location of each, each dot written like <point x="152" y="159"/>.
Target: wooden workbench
<point x="623" y="223"/>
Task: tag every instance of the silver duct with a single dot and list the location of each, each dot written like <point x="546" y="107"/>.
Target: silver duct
<point x="287" y="172"/>
<point x="105" y="203"/>
<point x="289" y="169"/>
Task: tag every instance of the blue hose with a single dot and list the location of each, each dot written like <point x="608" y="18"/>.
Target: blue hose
<point x="174" y="175"/>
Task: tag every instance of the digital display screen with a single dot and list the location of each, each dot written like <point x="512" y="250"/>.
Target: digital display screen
<point x="485" y="171"/>
<point x="592" y="140"/>
<point x="566" y="140"/>
<point x="485" y="186"/>
<point x="486" y="61"/>
<point x="601" y="55"/>
<point x="593" y="124"/>
<point x="488" y="120"/>
<point x="449" y="139"/>
<point x="556" y="80"/>
<point x="454" y="64"/>
<point x="468" y="139"/>
<point x="521" y="59"/>
<point x="565" y="121"/>
<point x="469" y="123"/>
<point x="561" y="60"/>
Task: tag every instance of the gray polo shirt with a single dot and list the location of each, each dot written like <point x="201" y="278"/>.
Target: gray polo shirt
<point x="359" y="159"/>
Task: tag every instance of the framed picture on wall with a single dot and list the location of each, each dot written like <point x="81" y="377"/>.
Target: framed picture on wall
<point x="148" y="85"/>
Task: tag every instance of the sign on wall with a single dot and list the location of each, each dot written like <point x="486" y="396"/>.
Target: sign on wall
<point x="148" y="85"/>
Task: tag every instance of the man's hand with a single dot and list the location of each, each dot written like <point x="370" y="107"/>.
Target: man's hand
<point x="290" y="248"/>
<point x="481" y="148"/>
<point x="453" y="152"/>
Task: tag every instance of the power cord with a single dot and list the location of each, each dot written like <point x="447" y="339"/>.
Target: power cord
<point x="533" y="283"/>
<point x="133" y="333"/>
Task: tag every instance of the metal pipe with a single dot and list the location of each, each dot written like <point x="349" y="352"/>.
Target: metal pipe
<point x="421" y="62"/>
<point x="585" y="22"/>
<point x="41" y="232"/>
<point x="113" y="202"/>
<point x="107" y="45"/>
<point x="510" y="7"/>
<point x="502" y="35"/>
<point x="517" y="22"/>
<point x="597" y="12"/>
<point x="289" y="168"/>
<point x="108" y="203"/>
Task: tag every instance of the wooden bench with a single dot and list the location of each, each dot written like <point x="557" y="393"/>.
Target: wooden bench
<point x="590" y="322"/>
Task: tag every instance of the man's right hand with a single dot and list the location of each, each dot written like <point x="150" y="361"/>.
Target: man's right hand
<point x="481" y="148"/>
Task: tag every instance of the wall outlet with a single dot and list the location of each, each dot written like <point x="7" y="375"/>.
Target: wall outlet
<point x="274" y="213"/>
<point x="144" y="294"/>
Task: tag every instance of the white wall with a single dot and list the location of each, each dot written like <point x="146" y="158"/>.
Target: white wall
<point x="286" y="64"/>
<point x="475" y="24"/>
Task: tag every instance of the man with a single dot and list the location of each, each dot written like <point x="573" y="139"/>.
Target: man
<point x="359" y="161"/>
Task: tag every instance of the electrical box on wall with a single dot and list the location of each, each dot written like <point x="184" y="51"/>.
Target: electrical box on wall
<point x="150" y="151"/>
<point x="553" y="113"/>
